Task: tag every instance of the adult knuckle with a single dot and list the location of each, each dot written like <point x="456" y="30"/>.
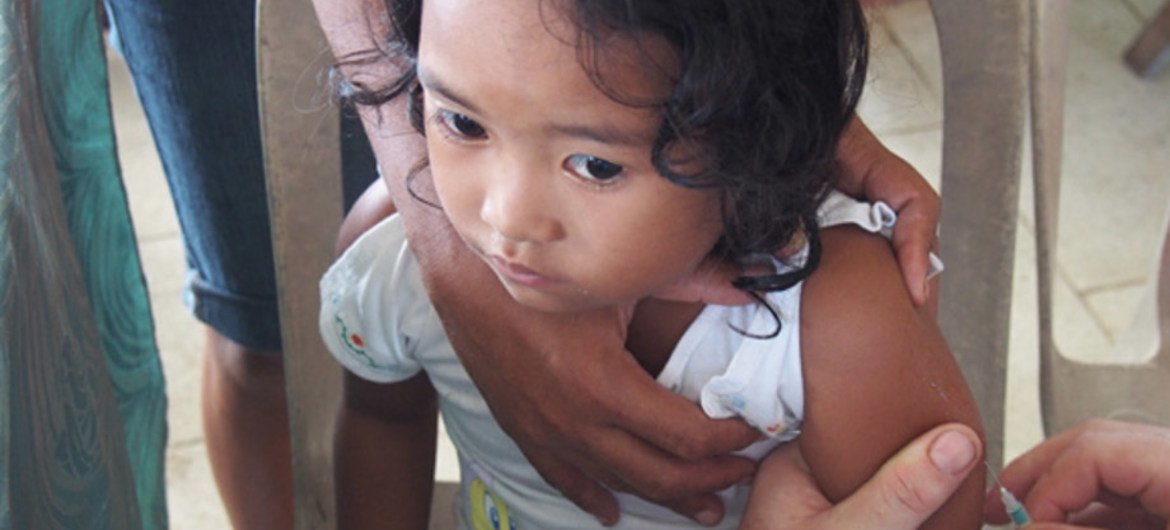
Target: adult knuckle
<point x="689" y="448"/>
<point x="658" y="488"/>
<point x="902" y="492"/>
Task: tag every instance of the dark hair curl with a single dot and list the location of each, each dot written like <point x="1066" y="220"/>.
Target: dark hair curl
<point x="764" y="89"/>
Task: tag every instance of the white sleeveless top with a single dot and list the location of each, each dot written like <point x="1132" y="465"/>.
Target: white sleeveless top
<point x="377" y="321"/>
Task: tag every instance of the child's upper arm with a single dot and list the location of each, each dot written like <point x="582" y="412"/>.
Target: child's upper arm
<point x="374" y="205"/>
<point x="877" y="372"/>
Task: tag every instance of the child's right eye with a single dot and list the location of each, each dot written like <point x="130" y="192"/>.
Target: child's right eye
<point x="460" y="125"/>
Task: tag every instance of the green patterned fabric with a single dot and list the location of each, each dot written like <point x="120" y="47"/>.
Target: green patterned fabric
<point x="82" y="412"/>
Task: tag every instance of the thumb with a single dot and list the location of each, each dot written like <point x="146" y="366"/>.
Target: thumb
<point x="711" y="283"/>
<point x="916" y="482"/>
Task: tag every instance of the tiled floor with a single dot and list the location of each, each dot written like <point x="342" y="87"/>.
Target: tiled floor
<point x="1115" y="196"/>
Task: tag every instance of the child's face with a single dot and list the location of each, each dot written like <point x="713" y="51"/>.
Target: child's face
<point x="545" y="177"/>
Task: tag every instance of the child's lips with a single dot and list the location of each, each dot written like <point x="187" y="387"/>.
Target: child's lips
<point x="520" y="274"/>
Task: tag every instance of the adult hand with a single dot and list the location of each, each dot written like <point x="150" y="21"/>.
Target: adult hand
<point x="871" y="171"/>
<point x="587" y="412"/>
<point x="1099" y="474"/>
<point x="903" y="494"/>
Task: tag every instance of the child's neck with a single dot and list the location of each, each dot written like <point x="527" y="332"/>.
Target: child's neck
<point x="656" y="329"/>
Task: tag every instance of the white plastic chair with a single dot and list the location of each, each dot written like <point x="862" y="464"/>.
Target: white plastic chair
<point x="1072" y="391"/>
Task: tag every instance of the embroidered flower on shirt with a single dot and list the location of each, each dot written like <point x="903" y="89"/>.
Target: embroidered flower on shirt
<point x="352" y="341"/>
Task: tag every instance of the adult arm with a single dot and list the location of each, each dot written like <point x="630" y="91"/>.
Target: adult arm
<point x="904" y="493"/>
<point x="1103" y="474"/>
<point x="877" y="373"/>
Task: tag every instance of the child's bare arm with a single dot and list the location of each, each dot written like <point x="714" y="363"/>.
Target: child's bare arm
<point x="877" y="373"/>
<point x="373" y="206"/>
<point x="384" y="443"/>
<point x="384" y="453"/>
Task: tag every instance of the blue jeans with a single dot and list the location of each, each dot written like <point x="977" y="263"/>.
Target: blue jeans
<point x="194" y="68"/>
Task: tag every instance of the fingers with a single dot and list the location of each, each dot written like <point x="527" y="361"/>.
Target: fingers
<point x="661" y="477"/>
<point x="1118" y="464"/>
<point x="660" y="450"/>
<point x="1103" y="466"/>
<point x="914" y="262"/>
<point x="681" y="485"/>
<point x="873" y="172"/>
<point x="705" y="509"/>
<point x="1100" y="515"/>
<point x="914" y="238"/>
<point x="581" y="490"/>
<point x="677" y="426"/>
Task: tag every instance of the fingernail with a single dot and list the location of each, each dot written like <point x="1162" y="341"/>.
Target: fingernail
<point x="952" y="452"/>
<point x="708" y="518"/>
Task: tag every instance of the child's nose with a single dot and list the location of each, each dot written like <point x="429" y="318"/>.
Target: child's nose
<point x="521" y="210"/>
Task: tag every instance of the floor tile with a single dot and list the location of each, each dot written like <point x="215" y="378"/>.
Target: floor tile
<point x="1146" y="8"/>
<point x="1117" y="154"/>
<point x="896" y="97"/>
<point x="191" y="495"/>
<point x="1114" y="308"/>
<point x="180" y="341"/>
<point x="167" y="268"/>
<point x="911" y="24"/>
<point x="922" y="149"/>
<point x="142" y="173"/>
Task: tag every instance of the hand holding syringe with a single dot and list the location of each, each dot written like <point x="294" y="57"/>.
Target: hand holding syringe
<point x="1014" y="508"/>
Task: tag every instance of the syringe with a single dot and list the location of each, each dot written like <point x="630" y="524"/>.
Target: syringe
<point x="1015" y="509"/>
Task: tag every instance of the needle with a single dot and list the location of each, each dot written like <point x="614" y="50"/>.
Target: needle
<point x="1015" y="509"/>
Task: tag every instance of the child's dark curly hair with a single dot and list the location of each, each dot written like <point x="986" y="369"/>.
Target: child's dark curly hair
<point x="764" y="89"/>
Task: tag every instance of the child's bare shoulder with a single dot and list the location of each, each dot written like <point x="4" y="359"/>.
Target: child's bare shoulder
<point x="856" y="296"/>
<point x="877" y="371"/>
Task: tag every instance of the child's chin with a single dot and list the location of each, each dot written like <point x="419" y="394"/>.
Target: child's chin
<point x="543" y="302"/>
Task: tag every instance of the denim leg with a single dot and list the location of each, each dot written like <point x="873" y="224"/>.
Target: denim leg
<point x="194" y="67"/>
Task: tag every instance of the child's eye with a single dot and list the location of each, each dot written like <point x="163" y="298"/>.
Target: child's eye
<point x="592" y="168"/>
<point x="460" y="125"/>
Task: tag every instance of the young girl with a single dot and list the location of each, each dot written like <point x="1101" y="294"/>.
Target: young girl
<point x="593" y="153"/>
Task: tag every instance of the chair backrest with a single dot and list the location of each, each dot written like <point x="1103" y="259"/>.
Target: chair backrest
<point x="302" y="162"/>
<point x="984" y="105"/>
<point x="1072" y="391"/>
